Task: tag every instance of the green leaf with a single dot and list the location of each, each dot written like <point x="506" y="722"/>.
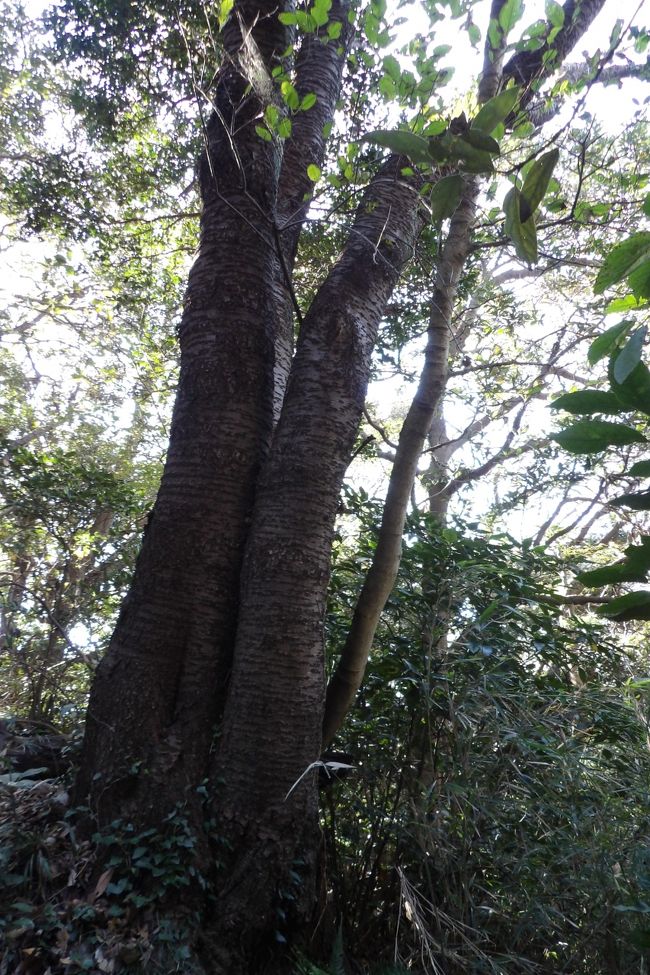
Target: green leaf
<point x="522" y="235"/>
<point x="592" y="436"/>
<point x="587" y="401"/>
<point x="402" y="142"/>
<point x="640" y="469"/>
<point x="628" y="303"/>
<point x="313" y="171"/>
<point x="555" y="13"/>
<point x="633" y="568"/>
<point x="308" y="102"/>
<point x="392" y="67"/>
<point x="634" y="392"/>
<point x="622" y="260"/>
<point x="224" y="11"/>
<point x="611" y="575"/>
<point x="630" y="355"/>
<point x="479" y="140"/>
<point x="445" y="197"/>
<point x="290" y="95"/>
<point x="320" y="12"/>
<point x="263" y="133"/>
<point x="638" y="501"/>
<point x="536" y="182"/>
<point x="632" y="606"/>
<point x="284" y="128"/>
<point x="496" y="110"/>
<point x="639" y="280"/>
<point x="607" y="342"/>
<point x="469" y="158"/>
<point x="510" y="14"/>
<point x="334" y="30"/>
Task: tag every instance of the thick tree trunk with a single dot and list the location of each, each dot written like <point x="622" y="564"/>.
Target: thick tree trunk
<point x="224" y="620"/>
<point x="273" y="718"/>
<point x="158" y="692"/>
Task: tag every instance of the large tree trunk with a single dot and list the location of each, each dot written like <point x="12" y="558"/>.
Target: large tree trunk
<point x="223" y="625"/>
<point x="159" y="690"/>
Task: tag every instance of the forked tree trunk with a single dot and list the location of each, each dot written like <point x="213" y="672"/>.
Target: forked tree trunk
<point x="223" y="625"/>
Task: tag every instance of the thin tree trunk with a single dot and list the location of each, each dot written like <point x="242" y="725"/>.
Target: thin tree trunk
<point x="380" y="579"/>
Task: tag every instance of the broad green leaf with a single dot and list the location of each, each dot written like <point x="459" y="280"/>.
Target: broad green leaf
<point x="479" y="140"/>
<point x="612" y="575"/>
<point x="536" y="182"/>
<point x="509" y="14"/>
<point x="496" y="110"/>
<point x="622" y="260"/>
<point x="640" y="469"/>
<point x="469" y="158"/>
<point x="402" y="142"/>
<point x="639" y="279"/>
<point x="522" y="235"/>
<point x="633" y="568"/>
<point x="392" y="67"/>
<point x="632" y="606"/>
<point x="587" y="401"/>
<point x="592" y="436"/>
<point x="334" y="30"/>
<point x="320" y="12"/>
<point x="290" y="95"/>
<point x="554" y="13"/>
<point x="445" y="197"/>
<point x="263" y="133"/>
<point x="630" y="355"/>
<point x="308" y="101"/>
<point x="224" y="11"/>
<point x="313" y="171"/>
<point x="607" y="342"/>
<point x="634" y="392"/>
<point x="638" y="501"/>
<point x="629" y="303"/>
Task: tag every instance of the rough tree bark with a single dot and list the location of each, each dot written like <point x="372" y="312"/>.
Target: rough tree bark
<point x="223" y="625"/>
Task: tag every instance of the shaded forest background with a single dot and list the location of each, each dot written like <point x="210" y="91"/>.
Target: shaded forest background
<point x="485" y="809"/>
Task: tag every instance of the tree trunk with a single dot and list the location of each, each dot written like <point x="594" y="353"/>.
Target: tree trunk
<point x="222" y="629"/>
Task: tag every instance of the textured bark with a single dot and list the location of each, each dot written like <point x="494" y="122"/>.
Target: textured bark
<point x="224" y="620"/>
<point x="158" y="692"/>
<point x="268" y="726"/>
<point x="525" y="67"/>
<point x="319" y="68"/>
<point x="493" y="58"/>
